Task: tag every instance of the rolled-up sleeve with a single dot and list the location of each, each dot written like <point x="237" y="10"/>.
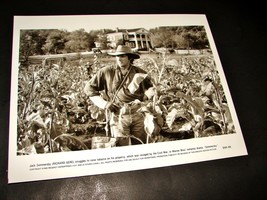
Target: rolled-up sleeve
<point x="94" y="85"/>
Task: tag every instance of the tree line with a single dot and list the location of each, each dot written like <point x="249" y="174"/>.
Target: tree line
<point x="55" y="41"/>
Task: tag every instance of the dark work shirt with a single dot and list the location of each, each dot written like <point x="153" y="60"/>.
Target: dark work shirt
<point x="108" y="79"/>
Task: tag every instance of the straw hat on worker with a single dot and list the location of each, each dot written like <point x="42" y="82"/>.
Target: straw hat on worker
<point x="124" y="50"/>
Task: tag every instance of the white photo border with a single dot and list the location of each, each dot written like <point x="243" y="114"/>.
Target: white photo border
<point x="100" y="161"/>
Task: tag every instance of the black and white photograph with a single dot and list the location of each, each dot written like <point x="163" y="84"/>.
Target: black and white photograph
<point x="96" y="94"/>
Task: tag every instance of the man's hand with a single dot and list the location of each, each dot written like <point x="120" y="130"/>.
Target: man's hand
<point x="112" y="107"/>
<point x="137" y="79"/>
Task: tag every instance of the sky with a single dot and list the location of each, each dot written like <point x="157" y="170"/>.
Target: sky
<point x="96" y="22"/>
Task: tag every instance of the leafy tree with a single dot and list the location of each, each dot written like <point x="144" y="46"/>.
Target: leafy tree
<point x="31" y="42"/>
<point x="78" y="41"/>
<point x="196" y="37"/>
<point x="55" y="42"/>
<point x="179" y="41"/>
<point x="162" y="38"/>
<point x="193" y="37"/>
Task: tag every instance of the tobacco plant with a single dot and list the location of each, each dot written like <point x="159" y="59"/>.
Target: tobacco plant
<point x="189" y="101"/>
<point x="54" y="114"/>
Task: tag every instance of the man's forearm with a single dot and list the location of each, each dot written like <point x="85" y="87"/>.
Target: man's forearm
<point x="99" y="101"/>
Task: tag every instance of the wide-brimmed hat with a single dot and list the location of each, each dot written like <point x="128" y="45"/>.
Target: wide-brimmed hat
<point x="124" y="50"/>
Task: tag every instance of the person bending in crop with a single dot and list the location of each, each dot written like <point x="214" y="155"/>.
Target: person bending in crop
<point x="120" y="90"/>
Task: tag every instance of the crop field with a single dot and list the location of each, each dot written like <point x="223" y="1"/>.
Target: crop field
<point x="54" y="114"/>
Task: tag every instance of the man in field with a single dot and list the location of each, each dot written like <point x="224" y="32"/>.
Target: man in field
<point x="120" y="90"/>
